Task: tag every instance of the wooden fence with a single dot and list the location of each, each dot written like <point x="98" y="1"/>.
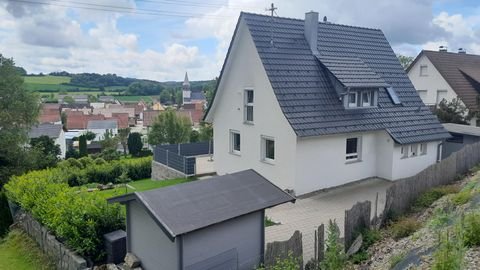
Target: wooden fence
<point x="279" y="250"/>
<point x="356" y="219"/>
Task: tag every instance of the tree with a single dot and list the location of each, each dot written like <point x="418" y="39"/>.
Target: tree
<point x="63" y="117"/>
<point x="123" y="138"/>
<point x="82" y="145"/>
<point x="194" y="136"/>
<point x="19" y="110"/>
<point x="179" y="98"/>
<point x="451" y="112"/>
<point x="405" y="61"/>
<point x="124" y="179"/>
<point x="134" y="143"/>
<point x="68" y="100"/>
<point x="206" y="132"/>
<point x="48" y="151"/>
<point x="170" y="128"/>
<point x="90" y="135"/>
<point x="109" y="142"/>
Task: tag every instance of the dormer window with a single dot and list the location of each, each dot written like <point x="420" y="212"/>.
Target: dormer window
<point x="362" y="98"/>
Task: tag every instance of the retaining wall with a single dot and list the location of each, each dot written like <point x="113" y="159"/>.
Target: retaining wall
<point x="162" y="172"/>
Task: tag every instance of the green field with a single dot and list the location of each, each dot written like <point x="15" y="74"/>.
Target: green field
<point x="134" y="98"/>
<point x="52" y="84"/>
<point x="46" y="79"/>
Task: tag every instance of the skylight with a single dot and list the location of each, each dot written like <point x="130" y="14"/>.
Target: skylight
<point x="393" y="95"/>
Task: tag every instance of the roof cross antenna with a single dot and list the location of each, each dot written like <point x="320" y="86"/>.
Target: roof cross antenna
<point x="272" y="11"/>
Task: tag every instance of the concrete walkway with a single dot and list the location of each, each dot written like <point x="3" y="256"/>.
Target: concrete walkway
<point x="310" y="212"/>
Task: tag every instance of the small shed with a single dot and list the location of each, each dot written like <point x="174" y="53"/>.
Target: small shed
<point x="461" y="135"/>
<point x="216" y="223"/>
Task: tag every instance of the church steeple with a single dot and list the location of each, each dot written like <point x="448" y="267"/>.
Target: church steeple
<point x="186" y="93"/>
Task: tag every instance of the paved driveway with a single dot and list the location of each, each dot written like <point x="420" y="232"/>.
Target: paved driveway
<point x="310" y="212"/>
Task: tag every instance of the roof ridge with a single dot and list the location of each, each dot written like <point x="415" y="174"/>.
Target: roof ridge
<point x="320" y="22"/>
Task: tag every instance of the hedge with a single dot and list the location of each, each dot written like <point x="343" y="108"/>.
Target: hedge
<point x="79" y="219"/>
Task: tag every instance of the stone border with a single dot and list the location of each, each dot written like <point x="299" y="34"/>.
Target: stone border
<point x="64" y="258"/>
<point x="163" y="172"/>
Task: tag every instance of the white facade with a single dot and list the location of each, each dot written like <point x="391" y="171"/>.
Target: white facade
<point x="301" y="164"/>
<point x="62" y="143"/>
<point x="100" y="132"/>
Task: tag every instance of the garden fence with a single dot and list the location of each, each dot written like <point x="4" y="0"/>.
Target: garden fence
<point x="189" y="149"/>
<point x="183" y="164"/>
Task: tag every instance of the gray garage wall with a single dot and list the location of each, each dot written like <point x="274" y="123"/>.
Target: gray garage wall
<point x="148" y="242"/>
<point x="451" y="147"/>
<point x="245" y="234"/>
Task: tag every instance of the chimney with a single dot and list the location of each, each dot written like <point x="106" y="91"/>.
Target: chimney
<point x="442" y="49"/>
<point x="311" y="30"/>
<point x="462" y="50"/>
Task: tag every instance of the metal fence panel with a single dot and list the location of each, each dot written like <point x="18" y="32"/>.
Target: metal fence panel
<point x="189" y="149"/>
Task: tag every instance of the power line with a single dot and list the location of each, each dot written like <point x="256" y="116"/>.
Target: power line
<point x="127" y="10"/>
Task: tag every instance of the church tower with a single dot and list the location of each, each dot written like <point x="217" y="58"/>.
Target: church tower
<point x="186" y="93"/>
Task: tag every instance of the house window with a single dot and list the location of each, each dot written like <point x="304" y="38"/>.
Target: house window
<point x="268" y="149"/>
<point x="234" y="142"/>
<point x="352" y="100"/>
<point x="441" y="95"/>
<point x="424" y="70"/>
<point x="367" y="98"/>
<point x="423" y="149"/>
<point x="404" y="151"/>
<point x="248" y="106"/>
<point x="352" y="149"/>
<point x="414" y="150"/>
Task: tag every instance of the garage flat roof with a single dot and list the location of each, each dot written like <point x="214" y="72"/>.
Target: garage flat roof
<point x="187" y="207"/>
<point x="462" y="129"/>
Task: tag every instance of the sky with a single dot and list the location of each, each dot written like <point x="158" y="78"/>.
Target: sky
<point x="162" y="39"/>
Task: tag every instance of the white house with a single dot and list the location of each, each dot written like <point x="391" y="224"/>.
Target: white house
<point x="53" y="131"/>
<point x="312" y="105"/>
<point x="447" y="75"/>
<point x="100" y="127"/>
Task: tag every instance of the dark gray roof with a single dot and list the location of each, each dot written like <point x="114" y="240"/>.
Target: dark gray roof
<point x="45" y="129"/>
<point x="106" y="98"/>
<point x="102" y="124"/>
<point x="309" y="100"/>
<point x="191" y="206"/>
<point x="197" y="96"/>
<point x="462" y="129"/>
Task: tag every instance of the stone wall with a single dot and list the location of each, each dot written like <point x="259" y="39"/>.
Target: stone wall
<point x="162" y="172"/>
<point x="64" y="258"/>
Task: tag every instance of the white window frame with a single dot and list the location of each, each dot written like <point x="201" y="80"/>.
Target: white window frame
<point x="359" y="102"/>
<point x="423" y="70"/>
<point x="370" y="95"/>
<point x="423" y="149"/>
<point x="357" y="156"/>
<point x="404" y="151"/>
<point x="248" y="104"/>
<point x="414" y="150"/>
<point x="352" y="104"/>
<point x="263" y="150"/>
<point x="232" y="142"/>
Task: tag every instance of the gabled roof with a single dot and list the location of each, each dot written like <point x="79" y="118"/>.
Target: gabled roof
<point x="45" y="129"/>
<point x="306" y="95"/>
<point x="187" y="207"/>
<point x="102" y="124"/>
<point x="197" y="95"/>
<point x="462" y="129"/>
<point x="460" y="70"/>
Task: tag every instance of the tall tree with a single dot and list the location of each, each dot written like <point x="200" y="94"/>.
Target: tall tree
<point x="123" y="138"/>
<point x="135" y="144"/>
<point x="405" y="61"/>
<point x="19" y="110"/>
<point x="451" y="112"/>
<point x="170" y="128"/>
<point x="48" y="150"/>
<point x="82" y="145"/>
<point x="206" y="132"/>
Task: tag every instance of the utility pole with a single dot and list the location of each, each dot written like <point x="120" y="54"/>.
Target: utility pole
<point x="272" y="11"/>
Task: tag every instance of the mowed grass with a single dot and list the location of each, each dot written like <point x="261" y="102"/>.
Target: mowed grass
<point x="134" y="98"/>
<point x="20" y="252"/>
<point x="46" y="79"/>
<point x="142" y="185"/>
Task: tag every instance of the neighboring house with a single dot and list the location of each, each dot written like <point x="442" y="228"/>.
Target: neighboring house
<point x="50" y="113"/>
<point x="157" y="106"/>
<point x="461" y="135"/>
<point x="150" y="116"/>
<point x="54" y="131"/>
<point x="107" y="99"/>
<point x="100" y="127"/>
<point x="447" y="75"/>
<point x="77" y="120"/>
<point x="122" y="118"/>
<point x="216" y="223"/>
<point x="196" y="111"/>
<point x="77" y="99"/>
<point x="312" y="105"/>
<point x="114" y="108"/>
<point x="97" y="105"/>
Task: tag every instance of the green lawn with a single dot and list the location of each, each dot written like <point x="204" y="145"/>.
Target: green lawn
<point x="46" y="79"/>
<point x="19" y="252"/>
<point x="141" y="185"/>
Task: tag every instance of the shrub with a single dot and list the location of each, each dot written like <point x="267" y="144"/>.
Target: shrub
<point x="86" y="161"/>
<point x="449" y="255"/>
<point x="470" y="229"/>
<point x="395" y="259"/>
<point x="289" y="263"/>
<point x="440" y="218"/>
<point x="99" y="161"/>
<point x="335" y="258"/>
<point x="404" y="227"/>
<point x="78" y="219"/>
<point x="429" y="197"/>
<point x="462" y="198"/>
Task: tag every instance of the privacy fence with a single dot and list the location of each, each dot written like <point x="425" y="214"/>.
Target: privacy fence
<point x="182" y="157"/>
<point x="399" y="197"/>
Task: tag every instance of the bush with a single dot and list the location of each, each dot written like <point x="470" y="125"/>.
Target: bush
<point x="462" y="198"/>
<point x="429" y="197"/>
<point x="404" y="227"/>
<point x="395" y="259"/>
<point x="335" y="258"/>
<point x="78" y="219"/>
<point x="99" y="161"/>
<point x="289" y="263"/>
<point x="449" y="255"/>
<point x="470" y="230"/>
